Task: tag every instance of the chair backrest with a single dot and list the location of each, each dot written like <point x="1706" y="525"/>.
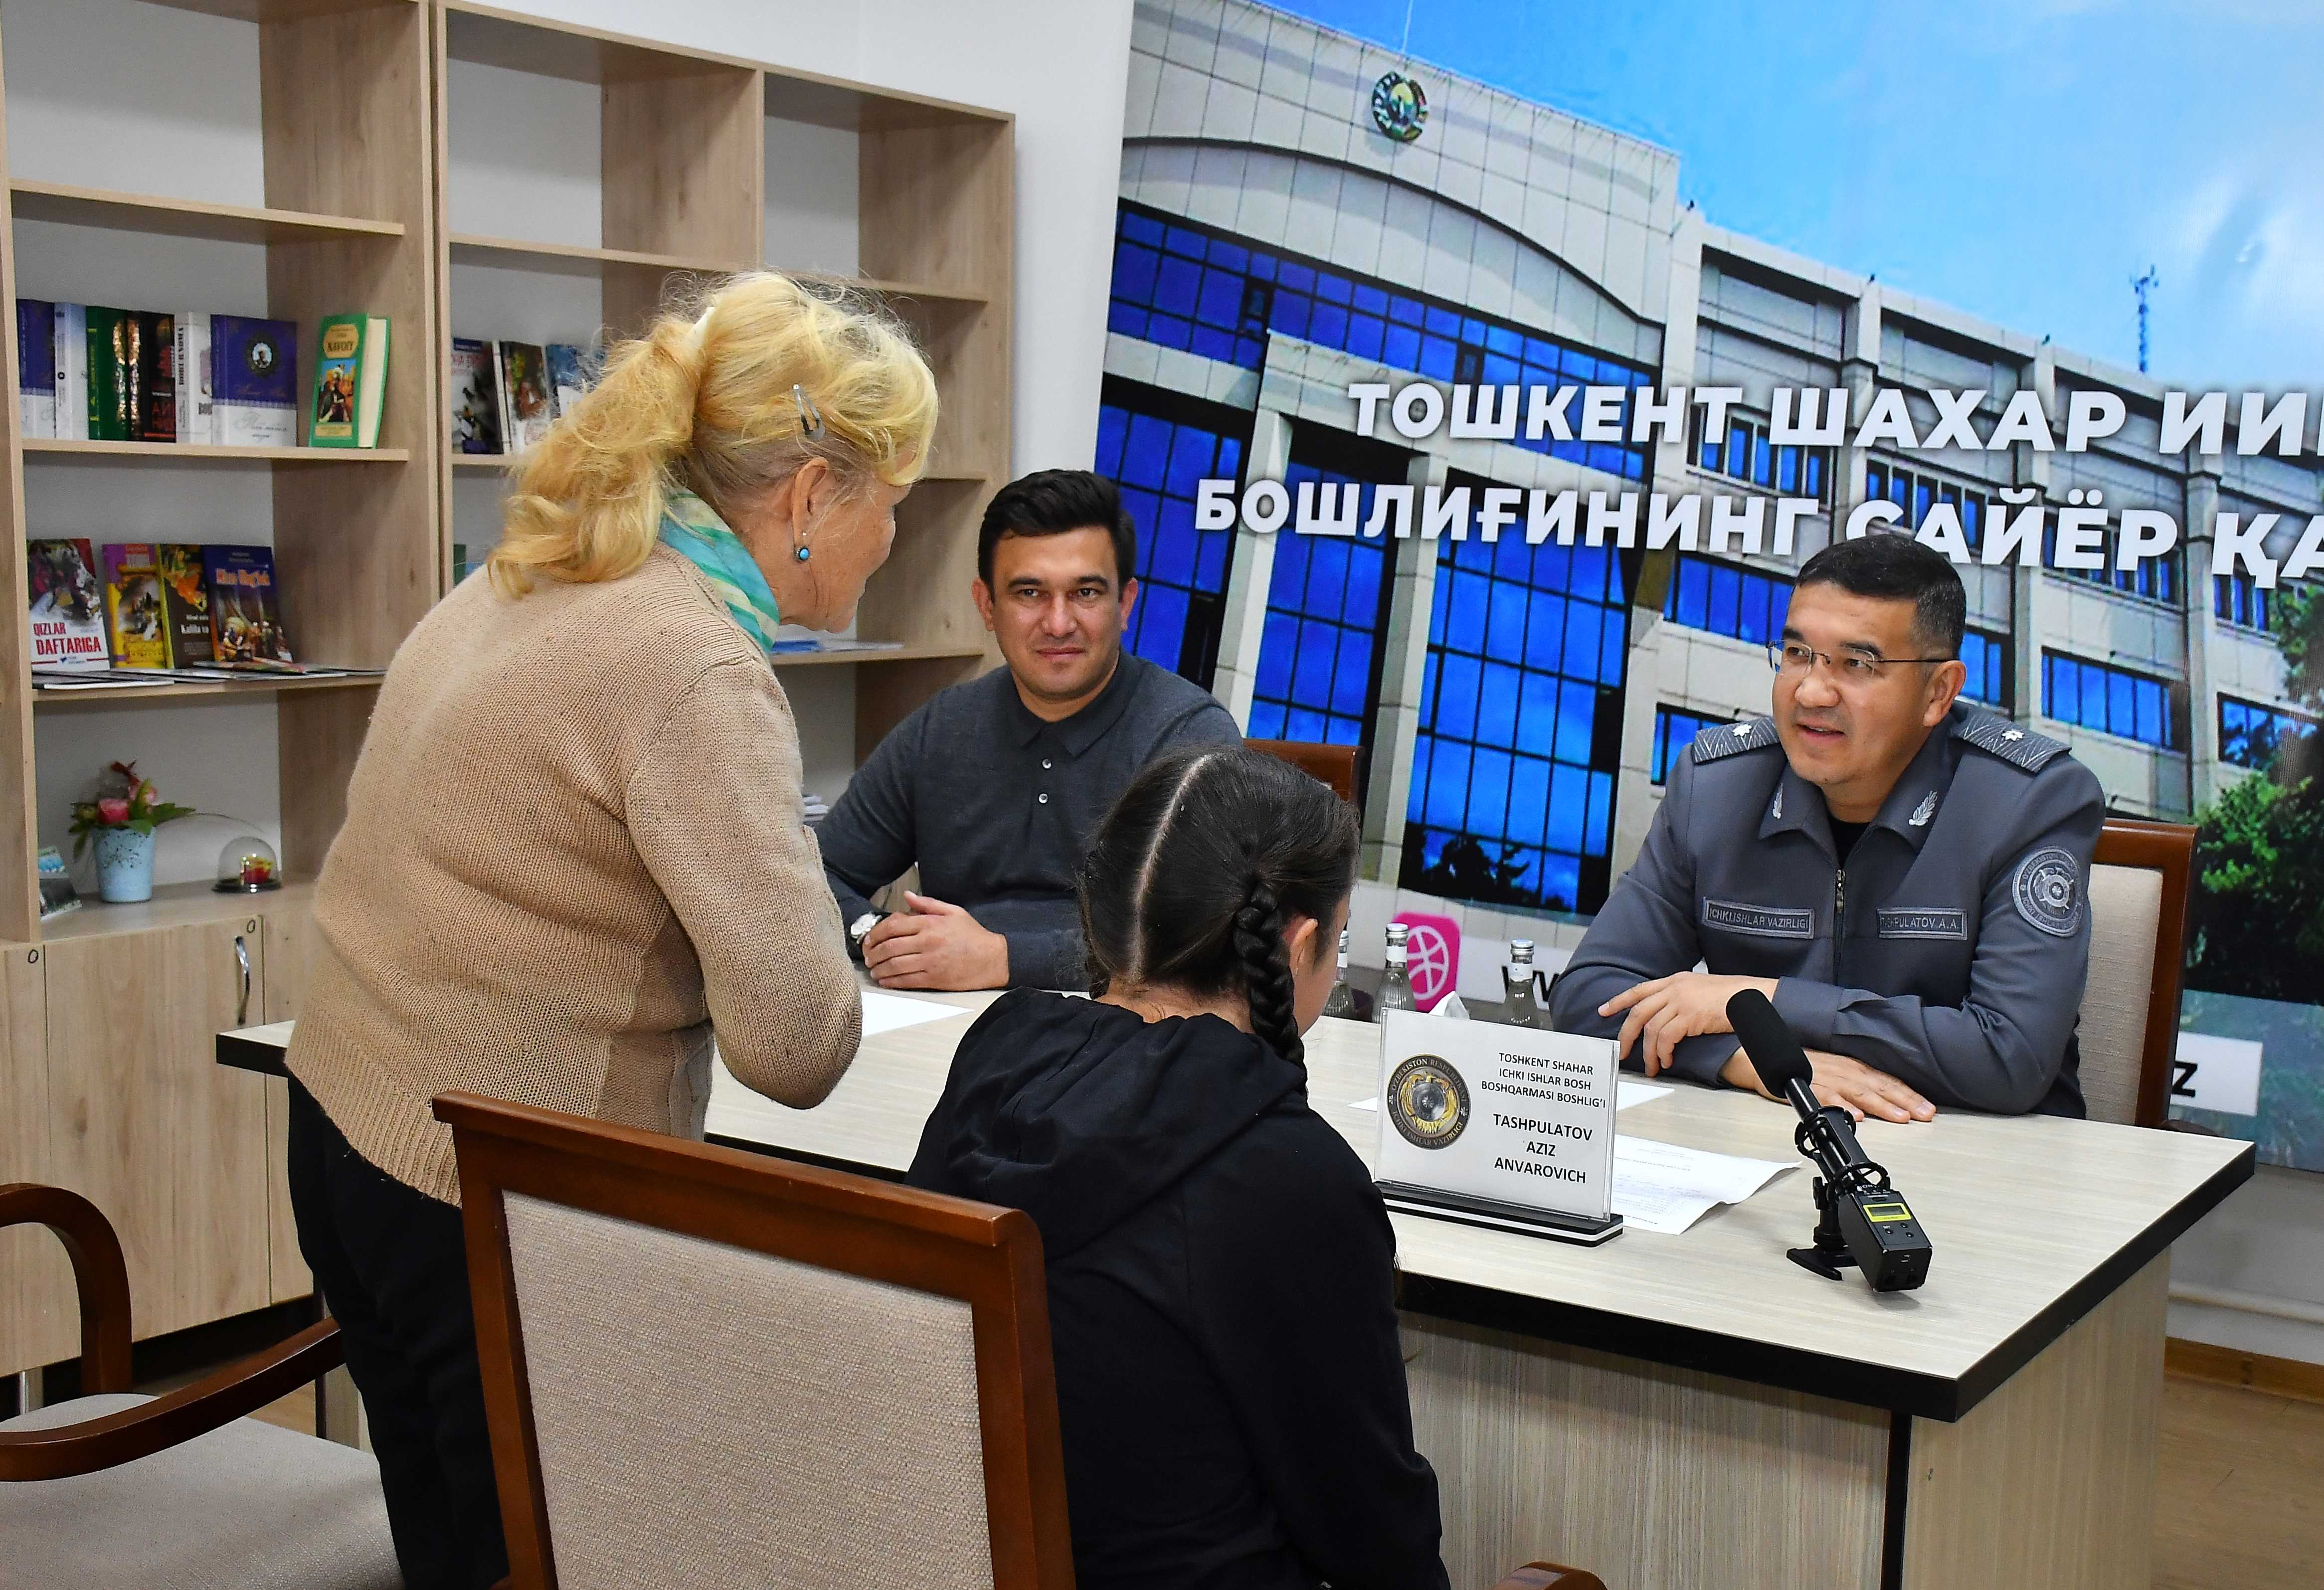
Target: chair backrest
<point x="2138" y="943"/>
<point x="708" y="1368"/>
<point x="1334" y="765"/>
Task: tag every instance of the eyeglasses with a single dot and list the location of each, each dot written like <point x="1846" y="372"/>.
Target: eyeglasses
<point x="1795" y="661"/>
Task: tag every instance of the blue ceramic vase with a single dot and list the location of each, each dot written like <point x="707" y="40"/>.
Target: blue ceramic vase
<point x="124" y="864"/>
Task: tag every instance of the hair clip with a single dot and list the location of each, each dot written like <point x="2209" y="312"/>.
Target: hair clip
<point x="810" y="417"/>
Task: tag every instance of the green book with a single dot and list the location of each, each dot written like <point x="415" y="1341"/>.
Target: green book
<point x="112" y="376"/>
<point x="350" y="382"/>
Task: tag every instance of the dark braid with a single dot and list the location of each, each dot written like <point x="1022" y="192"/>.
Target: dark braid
<point x="1267" y="973"/>
<point x="1194" y="875"/>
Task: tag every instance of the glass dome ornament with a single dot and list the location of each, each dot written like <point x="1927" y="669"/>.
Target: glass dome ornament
<point x="248" y="865"/>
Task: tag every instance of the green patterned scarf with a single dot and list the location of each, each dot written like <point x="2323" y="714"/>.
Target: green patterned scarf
<point x="689" y="527"/>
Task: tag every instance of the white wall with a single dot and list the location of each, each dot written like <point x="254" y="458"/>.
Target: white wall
<point x="2258" y="1261"/>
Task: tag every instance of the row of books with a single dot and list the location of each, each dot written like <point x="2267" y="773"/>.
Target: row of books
<point x="159" y="607"/>
<point x="505" y="395"/>
<point x="89" y="373"/>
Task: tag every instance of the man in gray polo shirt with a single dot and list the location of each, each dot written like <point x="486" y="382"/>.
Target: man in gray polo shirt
<point x="993" y="786"/>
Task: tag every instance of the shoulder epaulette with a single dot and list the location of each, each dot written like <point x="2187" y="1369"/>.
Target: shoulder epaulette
<point x="1731" y="739"/>
<point x="2021" y="748"/>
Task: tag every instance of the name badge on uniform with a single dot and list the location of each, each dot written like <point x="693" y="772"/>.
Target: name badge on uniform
<point x="1507" y="1127"/>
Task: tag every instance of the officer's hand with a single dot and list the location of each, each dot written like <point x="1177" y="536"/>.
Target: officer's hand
<point x="1668" y="1009"/>
<point x="1851" y="1084"/>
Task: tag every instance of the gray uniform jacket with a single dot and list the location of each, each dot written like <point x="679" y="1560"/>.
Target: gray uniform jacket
<point x="1951" y="950"/>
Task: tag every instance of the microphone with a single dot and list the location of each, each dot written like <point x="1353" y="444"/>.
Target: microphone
<point x="1861" y="1219"/>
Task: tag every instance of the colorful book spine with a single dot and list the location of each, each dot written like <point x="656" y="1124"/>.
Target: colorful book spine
<point x="36" y="366"/>
<point x="196" y="415"/>
<point x="71" y="346"/>
<point x="254" y="381"/>
<point x="68" y="606"/>
<point x="155" y="405"/>
<point x="112" y="374"/>
<point x="476" y="398"/>
<point x="186" y="602"/>
<point x="526" y="406"/>
<point x="350" y="382"/>
<point x="133" y="604"/>
<point x="566" y="381"/>
<point x="246" y="618"/>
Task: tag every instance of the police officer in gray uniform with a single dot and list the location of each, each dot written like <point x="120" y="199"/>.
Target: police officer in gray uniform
<point x="1904" y="876"/>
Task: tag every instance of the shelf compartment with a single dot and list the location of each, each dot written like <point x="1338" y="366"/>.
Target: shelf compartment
<point x="469" y="249"/>
<point x="185" y="217"/>
<point x="173" y="905"/>
<point x="949" y="297"/>
<point x="53" y="447"/>
<point x="191" y="690"/>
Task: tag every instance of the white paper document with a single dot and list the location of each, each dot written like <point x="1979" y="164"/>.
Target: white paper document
<point x="1625" y="1093"/>
<point x="1661" y="1188"/>
<point x="889" y="1012"/>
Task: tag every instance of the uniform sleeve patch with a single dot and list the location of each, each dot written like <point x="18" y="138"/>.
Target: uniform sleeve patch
<point x="2048" y="889"/>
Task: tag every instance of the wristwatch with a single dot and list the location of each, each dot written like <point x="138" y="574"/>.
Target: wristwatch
<point x="857" y="929"/>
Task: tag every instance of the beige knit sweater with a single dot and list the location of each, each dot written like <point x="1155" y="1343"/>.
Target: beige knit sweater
<point x="573" y="847"/>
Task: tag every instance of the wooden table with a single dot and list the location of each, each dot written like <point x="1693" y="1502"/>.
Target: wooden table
<point x="1694" y="1411"/>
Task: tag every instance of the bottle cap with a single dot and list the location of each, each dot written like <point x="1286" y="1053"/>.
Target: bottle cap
<point x="1395" y="932"/>
<point x="1521" y="949"/>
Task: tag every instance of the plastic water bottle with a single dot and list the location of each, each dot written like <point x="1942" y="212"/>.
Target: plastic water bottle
<point x="1396" y="984"/>
<point x="1521" y="986"/>
<point x="1341" y="1000"/>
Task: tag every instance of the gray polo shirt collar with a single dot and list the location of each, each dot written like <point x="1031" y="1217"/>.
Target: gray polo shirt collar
<point x="1085" y="728"/>
<point x="1911" y="807"/>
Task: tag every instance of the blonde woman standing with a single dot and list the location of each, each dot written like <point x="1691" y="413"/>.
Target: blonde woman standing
<point x="574" y="844"/>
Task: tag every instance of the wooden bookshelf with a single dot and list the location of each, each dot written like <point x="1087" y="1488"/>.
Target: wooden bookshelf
<point x="346" y="223"/>
<point x="685" y="138"/>
<point x="192" y="690"/>
<point x="158" y="215"/>
<point x="106" y="1012"/>
<point x="50" y="447"/>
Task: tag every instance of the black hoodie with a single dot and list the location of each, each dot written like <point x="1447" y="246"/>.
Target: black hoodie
<point x="1220" y="1269"/>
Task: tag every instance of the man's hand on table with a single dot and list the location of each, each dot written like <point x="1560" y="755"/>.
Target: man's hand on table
<point x="1666" y="1010"/>
<point x="1851" y="1084"/>
<point x="936" y="946"/>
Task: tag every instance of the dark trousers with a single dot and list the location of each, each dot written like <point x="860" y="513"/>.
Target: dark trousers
<point x="394" y="1270"/>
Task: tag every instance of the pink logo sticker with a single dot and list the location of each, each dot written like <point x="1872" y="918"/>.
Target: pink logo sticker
<point x="1432" y="955"/>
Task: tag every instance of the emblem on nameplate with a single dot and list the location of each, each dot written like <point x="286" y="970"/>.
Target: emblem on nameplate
<point x="1399" y="108"/>
<point x="1427" y="1100"/>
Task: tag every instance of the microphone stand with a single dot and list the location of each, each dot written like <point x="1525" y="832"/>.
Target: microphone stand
<point x="1818" y="1137"/>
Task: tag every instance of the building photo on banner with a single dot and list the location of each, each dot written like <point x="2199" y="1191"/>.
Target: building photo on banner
<point x="1489" y="439"/>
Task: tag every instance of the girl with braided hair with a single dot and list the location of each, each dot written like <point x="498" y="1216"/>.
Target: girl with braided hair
<point x="1230" y="1386"/>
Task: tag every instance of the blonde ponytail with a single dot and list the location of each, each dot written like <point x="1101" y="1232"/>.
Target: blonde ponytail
<point x="706" y="401"/>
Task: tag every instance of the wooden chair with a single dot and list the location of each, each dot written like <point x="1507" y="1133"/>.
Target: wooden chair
<point x="708" y="1368"/>
<point x="2129" y="1026"/>
<point x="1334" y="765"/>
<point x="112" y="1489"/>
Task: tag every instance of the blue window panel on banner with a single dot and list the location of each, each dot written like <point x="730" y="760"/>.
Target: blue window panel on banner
<point x="1319" y="653"/>
<point x="1987" y="658"/>
<point x="2250" y="732"/>
<point x="1675" y="731"/>
<point x="2113" y="700"/>
<point x="1514" y="770"/>
<point x="1189" y="288"/>
<point x="1158" y="464"/>
<point x="1917" y="494"/>
<point x="1728" y="600"/>
<point x="2239" y="599"/>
